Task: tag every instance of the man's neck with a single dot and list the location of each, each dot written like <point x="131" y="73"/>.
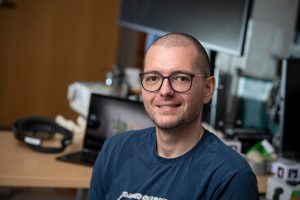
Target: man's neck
<point x="172" y="143"/>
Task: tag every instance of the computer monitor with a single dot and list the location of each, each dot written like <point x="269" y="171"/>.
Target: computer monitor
<point x="220" y="25"/>
<point x="252" y="99"/>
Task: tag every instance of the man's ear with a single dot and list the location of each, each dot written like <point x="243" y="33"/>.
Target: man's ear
<point x="209" y="89"/>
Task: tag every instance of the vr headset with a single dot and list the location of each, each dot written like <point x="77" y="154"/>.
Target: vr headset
<point x="34" y="130"/>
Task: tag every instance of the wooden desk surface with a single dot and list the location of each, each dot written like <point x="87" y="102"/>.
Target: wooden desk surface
<point x="21" y="166"/>
<point x="262" y="184"/>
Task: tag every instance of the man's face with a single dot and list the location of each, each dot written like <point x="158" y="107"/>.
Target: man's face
<point x="167" y="108"/>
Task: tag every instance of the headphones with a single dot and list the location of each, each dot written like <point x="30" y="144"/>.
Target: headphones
<point x="34" y="130"/>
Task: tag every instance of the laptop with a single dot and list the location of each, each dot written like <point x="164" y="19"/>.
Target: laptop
<point x="107" y="116"/>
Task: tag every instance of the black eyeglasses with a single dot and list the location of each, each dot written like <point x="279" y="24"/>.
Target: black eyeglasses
<point x="179" y="82"/>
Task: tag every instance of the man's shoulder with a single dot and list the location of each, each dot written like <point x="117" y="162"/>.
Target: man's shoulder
<point x="224" y="154"/>
<point x="220" y="162"/>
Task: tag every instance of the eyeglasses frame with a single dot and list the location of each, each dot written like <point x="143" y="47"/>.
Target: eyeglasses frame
<point x="168" y="78"/>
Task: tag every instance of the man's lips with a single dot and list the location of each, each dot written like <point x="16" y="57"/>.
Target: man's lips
<point x="168" y="105"/>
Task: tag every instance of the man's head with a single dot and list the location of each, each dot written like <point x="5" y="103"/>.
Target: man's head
<point x="184" y="40"/>
<point x="176" y="81"/>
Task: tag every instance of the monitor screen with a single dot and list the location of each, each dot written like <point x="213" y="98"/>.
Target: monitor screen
<point x="219" y="25"/>
<point x="110" y="115"/>
<point x="289" y="108"/>
<point x="252" y="103"/>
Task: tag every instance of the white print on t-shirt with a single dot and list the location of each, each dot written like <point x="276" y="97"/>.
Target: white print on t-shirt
<point x="138" y="196"/>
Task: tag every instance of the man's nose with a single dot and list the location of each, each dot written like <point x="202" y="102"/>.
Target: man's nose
<point x="166" y="88"/>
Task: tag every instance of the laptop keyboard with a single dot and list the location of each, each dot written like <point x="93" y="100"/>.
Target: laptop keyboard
<point x="88" y="157"/>
<point x="81" y="157"/>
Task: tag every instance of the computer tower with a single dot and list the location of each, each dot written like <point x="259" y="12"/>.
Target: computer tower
<point x="289" y="132"/>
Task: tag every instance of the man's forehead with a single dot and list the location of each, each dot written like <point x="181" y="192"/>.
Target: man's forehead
<point x="173" y="40"/>
<point x="164" y="48"/>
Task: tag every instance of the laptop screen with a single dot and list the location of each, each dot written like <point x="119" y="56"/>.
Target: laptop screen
<point x="109" y="115"/>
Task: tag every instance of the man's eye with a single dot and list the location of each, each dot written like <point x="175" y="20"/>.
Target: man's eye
<point x="152" y="78"/>
<point x="182" y="78"/>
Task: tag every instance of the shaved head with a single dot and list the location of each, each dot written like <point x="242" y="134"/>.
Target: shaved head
<point x="185" y="40"/>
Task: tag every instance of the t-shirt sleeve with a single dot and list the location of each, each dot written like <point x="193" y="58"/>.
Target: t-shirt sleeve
<point x="242" y="185"/>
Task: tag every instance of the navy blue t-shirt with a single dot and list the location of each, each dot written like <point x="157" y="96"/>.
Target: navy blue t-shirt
<point x="128" y="167"/>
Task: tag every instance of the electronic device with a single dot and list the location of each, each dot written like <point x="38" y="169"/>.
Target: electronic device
<point x="289" y="133"/>
<point x="204" y="19"/>
<point x="107" y="116"/>
<point x="288" y="170"/>
<point x="242" y="110"/>
<point x="34" y="130"/>
<point x="253" y="94"/>
<point x="279" y="189"/>
<point x="219" y="116"/>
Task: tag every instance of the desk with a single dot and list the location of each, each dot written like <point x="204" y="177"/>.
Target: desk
<point x="262" y="184"/>
<point x="20" y="166"/>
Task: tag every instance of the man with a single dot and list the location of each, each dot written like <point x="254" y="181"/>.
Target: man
<point x="177" y="159"/>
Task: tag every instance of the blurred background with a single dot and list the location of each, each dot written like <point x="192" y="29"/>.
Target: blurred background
<point x="253" y="45"/>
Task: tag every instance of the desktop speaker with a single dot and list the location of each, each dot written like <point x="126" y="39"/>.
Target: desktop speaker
<point x="34" y="130"/>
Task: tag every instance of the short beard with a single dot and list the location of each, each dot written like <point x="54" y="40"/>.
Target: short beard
<point x="176" y="127"/>
<point x="186" y="121"/>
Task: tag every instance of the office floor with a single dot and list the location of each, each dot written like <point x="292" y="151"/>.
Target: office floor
<point x="36" y="194"/>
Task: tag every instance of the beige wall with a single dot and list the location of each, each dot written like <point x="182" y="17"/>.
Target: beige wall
<point x="47" y="44"/>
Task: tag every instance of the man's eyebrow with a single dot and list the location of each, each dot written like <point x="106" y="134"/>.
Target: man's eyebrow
<point x="181" y="72"/>
<point x="152" y="71"/>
